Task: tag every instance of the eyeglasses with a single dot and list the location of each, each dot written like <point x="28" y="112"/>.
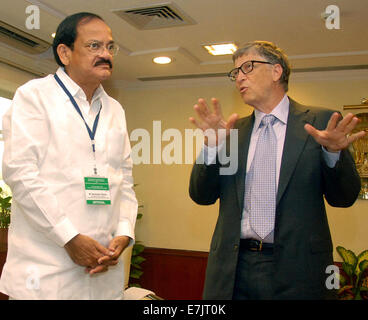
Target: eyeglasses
<point x="98" y="47"/>
<point x="246" y="67"/>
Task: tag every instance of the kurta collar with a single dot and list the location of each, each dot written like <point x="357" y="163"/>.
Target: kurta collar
<point x="74" y="89"/>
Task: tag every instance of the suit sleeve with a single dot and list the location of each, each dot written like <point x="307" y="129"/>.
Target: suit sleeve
<point x="204" y="185"/>
<point x="341" y="183"/>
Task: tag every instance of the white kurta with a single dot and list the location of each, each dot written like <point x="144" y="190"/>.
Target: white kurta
<point x="47" y="155"/>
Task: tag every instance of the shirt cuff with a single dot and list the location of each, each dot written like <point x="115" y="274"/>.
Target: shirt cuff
<point x="210" y="153"/>
<point x="330" y="158"/>
<point x="63" y="232"/>
<point x="125" y="229"/>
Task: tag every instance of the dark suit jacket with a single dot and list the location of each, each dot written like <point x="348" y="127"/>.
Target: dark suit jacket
<point x="302" y="240"/>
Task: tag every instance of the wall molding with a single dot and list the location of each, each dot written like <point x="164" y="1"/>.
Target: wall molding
<point x="332" y="73"/>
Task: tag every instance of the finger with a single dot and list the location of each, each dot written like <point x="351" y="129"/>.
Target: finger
<point x="108" y="261"/>
<point x="200" y="113"/>
<point x="98" y="269"/>
<point x="312" y="130"/>
<point x="351" y="125"/>
<point x="333" y="122"/>
<point x="345" y="122"/>
<point x="356" y="136"/>
<point x="195" y="122"/>
<point x="231" y="121"/>
<point x="202" y="109"/>
<point x="118" y="244"/>
<point x="104" y="260"/>
<point x="102" y="250"/>
<point x="319" y="136"/>
<point x="204" y="106"/>
<point x="217" y="107"/>
<point x="116" y="253"/>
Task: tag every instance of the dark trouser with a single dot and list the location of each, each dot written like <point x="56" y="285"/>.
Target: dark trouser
<point x="254" y="275"/>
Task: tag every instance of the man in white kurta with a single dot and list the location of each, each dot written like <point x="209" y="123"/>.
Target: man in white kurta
<point x="59" y="246"/>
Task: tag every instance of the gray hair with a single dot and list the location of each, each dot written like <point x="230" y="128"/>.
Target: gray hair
<point x="272" y="53"/>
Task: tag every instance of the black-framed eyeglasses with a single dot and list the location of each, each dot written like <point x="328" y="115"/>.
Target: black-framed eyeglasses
<point x="98" y="47"/>
<point x="246" y="67"/>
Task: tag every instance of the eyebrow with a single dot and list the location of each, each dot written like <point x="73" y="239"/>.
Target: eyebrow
<point x="94" y="40"/>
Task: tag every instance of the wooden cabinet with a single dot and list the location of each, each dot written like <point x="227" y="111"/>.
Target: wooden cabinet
<point x="3" y="252"/>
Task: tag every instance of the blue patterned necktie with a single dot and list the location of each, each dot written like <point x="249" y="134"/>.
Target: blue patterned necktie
<point x="260" y="195"/>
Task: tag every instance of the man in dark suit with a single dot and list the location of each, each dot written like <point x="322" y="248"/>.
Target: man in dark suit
<point x="272" y="239"/>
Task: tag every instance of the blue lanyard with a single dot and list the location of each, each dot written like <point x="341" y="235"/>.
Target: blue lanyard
<point x="94" y="129"/>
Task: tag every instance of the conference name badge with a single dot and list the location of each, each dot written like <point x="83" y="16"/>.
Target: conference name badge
<point x="97" y="190"/>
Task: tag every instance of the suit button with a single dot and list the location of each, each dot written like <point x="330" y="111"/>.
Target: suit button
<point x="236" y="247"/>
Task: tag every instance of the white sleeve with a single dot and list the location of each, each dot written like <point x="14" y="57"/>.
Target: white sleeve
<point x="26" y="133"/>
<point x="129" y="204"/>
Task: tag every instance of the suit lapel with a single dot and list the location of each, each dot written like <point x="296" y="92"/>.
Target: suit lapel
<point x="244" y="134"/>
<point x="295" y="139"/>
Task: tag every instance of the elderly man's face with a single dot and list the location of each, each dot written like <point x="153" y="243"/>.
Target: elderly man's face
<point x="84" y="64"/>
<point x="255" y="87"/>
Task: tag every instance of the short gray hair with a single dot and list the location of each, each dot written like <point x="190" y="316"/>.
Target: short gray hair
<point x="272" y="53"/>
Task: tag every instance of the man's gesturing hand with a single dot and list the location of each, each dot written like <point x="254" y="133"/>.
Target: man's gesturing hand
<point x="337" y="135"/>
<point x="212" y="120"/>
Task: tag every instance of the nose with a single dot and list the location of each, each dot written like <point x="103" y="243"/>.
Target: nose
<point x="240" y="77"/>
<point x="105" y="52"/>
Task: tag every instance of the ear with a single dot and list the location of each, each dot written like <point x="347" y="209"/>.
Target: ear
<point x="277" y="72"/>
<point x="64" y="53"/>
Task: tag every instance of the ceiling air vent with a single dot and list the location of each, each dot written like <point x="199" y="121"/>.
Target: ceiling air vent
<point x="155" y="17"/>
<point x="21" y="40"/>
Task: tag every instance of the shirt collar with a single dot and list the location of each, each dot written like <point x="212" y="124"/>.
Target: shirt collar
<point x="74" y="89"/>
<point x="281" y="112"/>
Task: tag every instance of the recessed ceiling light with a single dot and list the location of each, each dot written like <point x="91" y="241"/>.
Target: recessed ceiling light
<point x="221" y="49"/>
<point x="53" y="35"/>
<point x="162" y="60"/>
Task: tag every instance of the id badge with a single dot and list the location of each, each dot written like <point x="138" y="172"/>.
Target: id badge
<point x="97" y="190"/>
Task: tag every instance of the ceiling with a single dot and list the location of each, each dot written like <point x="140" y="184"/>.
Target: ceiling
<point x="294" y="25"/>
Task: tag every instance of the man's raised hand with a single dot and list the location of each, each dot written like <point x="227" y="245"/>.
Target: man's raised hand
<point x="212" y="120"/>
